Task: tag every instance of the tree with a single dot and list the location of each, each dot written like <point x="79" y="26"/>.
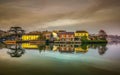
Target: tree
<point x="16" y="51"/>
<point x="17" y="31"/>
<point x="102" y="35"/>
<point x="84" y="38"/>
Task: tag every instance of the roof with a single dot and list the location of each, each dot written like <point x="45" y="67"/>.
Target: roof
<point x="31" y="34"/>
<point x="81" y="31"/>
<point x="66" y="33"/>
<point x="44" y="32"/>
<point x="62" y="31"/>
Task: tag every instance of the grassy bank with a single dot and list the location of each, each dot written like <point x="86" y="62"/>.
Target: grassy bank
<point x="94" y="41"/>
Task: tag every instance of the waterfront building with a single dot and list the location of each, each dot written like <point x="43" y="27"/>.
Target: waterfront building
<point x="80" y="34"/>
<point x="55" y="36"/>
<point x="47" y="35"/>
<point x="66" y="36"/>
<point x="30" y="37"/>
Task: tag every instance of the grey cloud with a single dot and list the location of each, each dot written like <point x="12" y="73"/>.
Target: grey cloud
<point x="29" y="12"/>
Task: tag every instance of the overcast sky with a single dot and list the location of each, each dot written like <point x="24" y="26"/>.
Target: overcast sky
<point x="90" y="15"/>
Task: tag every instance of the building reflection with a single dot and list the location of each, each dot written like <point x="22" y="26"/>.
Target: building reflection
<point x="67" y="48"/>
<point x="29" y="46"/>
<point x="15" y="50"/>
<point x="64" y="48"/>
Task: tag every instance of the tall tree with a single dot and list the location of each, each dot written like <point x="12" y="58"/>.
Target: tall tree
<point x="17" y="31"/>
<point x="102" y="34"/>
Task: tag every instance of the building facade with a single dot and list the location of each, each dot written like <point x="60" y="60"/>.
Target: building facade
<point x="66" y="36"/>
<point x="47" y="35"/>
<point x="80" y="34"/>
<point x="30" y="37"/>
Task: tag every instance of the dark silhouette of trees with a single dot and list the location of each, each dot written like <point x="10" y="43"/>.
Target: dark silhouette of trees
<point x="102" y="49"/>
<point x="16" y="31"/>
<point x="102" y="35"/>
<point x="16" y="51"/>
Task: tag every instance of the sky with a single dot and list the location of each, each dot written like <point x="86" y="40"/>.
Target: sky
<point x="70" y="15"/>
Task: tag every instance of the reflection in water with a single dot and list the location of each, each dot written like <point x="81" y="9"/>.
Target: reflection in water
<point x="74" y="48"/>
<point x="102" y="49"/>
<point x="17" y="50"/>
<point x="73" y="59"/>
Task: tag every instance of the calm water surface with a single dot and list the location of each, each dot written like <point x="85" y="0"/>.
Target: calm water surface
<point x="58" y="59"/>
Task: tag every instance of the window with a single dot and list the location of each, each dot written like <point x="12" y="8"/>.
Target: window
<point x="70" y="36"/>
<point x="64" y="35"/>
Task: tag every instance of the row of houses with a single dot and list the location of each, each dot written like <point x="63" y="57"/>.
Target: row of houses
<point x="17" y="33"/>
<point x="60" y="35"/>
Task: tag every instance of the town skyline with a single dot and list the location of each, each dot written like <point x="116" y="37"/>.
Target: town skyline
<point x="69" y="30"/>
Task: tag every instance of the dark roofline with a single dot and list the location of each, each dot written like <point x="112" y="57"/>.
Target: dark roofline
<point x="79" y="31"/>
<point x="31" y="34"/>
<point x="66" y="33"/>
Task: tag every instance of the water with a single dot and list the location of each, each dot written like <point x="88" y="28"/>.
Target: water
<point x="59" y="59"/>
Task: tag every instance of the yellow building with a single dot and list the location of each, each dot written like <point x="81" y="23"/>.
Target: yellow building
<point x="79" y="49"/>
<point x="79" y="34"/>
<point x="29" y="46"/>
<point x="30" y="37"/>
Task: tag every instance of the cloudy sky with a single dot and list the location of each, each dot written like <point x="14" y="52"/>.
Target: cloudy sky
<point x="90" y="15"/>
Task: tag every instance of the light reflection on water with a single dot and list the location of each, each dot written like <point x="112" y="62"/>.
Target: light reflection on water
<point x="105" y="58"/>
